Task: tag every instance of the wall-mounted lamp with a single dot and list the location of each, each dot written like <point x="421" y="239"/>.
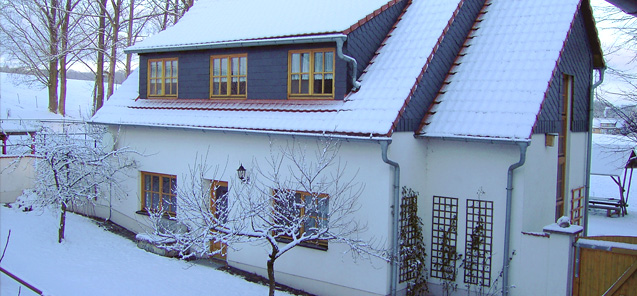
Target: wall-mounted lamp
<point x="241" y="173"/>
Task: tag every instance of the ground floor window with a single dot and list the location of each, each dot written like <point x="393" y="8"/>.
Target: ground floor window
<point x="159" y="193"/>
<point x="309" y="209"/>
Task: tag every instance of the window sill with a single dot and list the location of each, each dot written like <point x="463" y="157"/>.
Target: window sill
<point x="145" y="213"/>
<point x="173" y="97"/>
<point x="310" y="97"/>
<point x="228" y="97"/>
<point x="321" y="246"/>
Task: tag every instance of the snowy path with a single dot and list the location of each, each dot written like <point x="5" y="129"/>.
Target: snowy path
<point x="92" y="261"/>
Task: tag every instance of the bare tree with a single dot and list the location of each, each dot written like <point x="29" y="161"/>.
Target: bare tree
<point x="623" y="27"/>
<point x="297" y="199"/>
<point x="72" y="165"/>
<point x="36" y="35"/>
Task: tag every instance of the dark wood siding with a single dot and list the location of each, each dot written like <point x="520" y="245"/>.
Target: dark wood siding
<point x="576" y="60"/>
<point x="439" y="67"/>
<point x="267" y="71"/>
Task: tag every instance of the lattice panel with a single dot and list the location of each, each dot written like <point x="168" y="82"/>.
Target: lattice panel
<point x="577" y="205"/>
<point x="408" y="207"/>
<point x="443" y="237"/>
<point x="478" y="242"/>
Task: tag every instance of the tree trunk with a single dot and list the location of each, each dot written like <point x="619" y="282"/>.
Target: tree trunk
<point x="115" y="24"/>
<point x="62" y="223"/>
<point x="101" y="47"/>
<point x="271" y="282"/>
<point x="53" y="57"/>
<point x="164" y="24"/>
<point x="129" y="38"/>
<point x="64" y="44"/>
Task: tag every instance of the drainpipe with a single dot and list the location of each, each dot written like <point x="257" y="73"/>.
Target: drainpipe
<point x="339" y="52"/>
<point x="393" y="282"/>
<point x="507" y="227"/>
<point x="589" y="152"/>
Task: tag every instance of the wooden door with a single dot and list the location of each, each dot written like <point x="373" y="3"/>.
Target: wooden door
<point x="218" y="203"/>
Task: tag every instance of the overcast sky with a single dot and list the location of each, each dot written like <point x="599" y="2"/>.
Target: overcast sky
<point x="616" y="55"/>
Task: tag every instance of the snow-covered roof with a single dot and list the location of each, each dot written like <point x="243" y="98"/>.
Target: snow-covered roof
<point x="370" y="112"/>
<point x="211" y="22"/>
<point x="610" y="154"/>
<point x="498" y="86"/>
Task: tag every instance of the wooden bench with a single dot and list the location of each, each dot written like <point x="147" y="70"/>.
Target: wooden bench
<point x="609" y="204"/>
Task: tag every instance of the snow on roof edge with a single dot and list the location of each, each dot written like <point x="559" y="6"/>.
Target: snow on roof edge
<point x="291" y="39"/>
<point x="337" y="135"/>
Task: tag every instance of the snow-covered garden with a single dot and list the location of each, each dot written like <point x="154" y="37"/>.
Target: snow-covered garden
<point x="94" y="261"/>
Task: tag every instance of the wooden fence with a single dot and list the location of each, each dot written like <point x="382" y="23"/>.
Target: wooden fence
<point x="606" y="266"/>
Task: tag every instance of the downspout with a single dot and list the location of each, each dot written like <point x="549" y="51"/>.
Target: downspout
<point x="589" y="150"/>
<point x="393" y="281"/>
<point x="507" y="227"/>
<point x="339" y="52"/>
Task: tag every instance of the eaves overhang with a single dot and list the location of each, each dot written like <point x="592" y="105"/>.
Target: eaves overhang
<point x="332" y="37"/>
<point x="359" y="137"/>
<point x="628" y="6"/>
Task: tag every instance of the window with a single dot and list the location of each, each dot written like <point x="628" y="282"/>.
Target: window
<point x="159" y="193"/>
<point x="310" y="210"/>
<point x="311" y="74"/>
<point x="478" y="242"/>
<point x="162" y="77"/>
<point x="229" y="76"/>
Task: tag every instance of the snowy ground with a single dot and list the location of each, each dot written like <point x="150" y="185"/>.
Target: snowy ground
<point x="92" y="261"/>
<point x="21" y="101"/>
<point x="598" y="223"/>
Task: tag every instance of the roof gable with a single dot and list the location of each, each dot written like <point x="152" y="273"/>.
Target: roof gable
<point x="499" y="82"/>
<point x="211" y="22"/>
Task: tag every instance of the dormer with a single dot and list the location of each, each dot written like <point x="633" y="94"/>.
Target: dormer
<point x="274" y="55"/>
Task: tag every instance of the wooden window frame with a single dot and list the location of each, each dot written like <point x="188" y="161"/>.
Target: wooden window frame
<point x="568" y="93"/>
<point x="311" y="72"/>
<point x="162" y="78"/>
<point x="319" y="244"/>
<point x="173" y="194"/>
<point x="229" y="76"/>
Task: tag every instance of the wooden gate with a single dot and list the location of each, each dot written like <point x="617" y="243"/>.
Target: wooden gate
<point x="606" y="266"/>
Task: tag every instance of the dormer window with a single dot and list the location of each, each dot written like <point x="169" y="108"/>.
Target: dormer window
<point x="162" y="77"/>
<point x="229" y="76"/>
<point x="311" y="74"/>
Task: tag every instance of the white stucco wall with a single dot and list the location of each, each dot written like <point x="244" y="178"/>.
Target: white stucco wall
<point x="331" y="272"/>
<point x="460" y="169"/>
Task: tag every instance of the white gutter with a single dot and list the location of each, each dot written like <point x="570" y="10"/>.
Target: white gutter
<point x="393" y="280"/>
<point x="589" y="152"/>
<point x="239" y="43"/>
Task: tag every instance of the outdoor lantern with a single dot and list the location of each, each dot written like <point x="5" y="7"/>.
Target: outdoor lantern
<point x="241" y="172"/>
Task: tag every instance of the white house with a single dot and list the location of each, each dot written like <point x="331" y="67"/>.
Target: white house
<point x="483" y="107"/>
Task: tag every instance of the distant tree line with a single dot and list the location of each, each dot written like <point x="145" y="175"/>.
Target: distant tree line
<point x="46" y="38"/>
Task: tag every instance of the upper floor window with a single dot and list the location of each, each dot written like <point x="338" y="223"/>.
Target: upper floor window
<point x="162" y="77"/>
<point x="311" y="73"/>
<point x="229" y="76"/>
